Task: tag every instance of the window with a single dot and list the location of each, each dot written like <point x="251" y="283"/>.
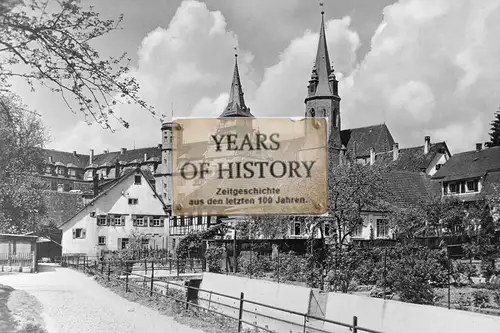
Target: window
<point x="60" y="171"/>
<point x="60" y="187"/>
<point x="357" y="231"/>
<point x="48" y="170"/>
<point x="101" y="240"/>
<point x="313" y="113"/>
<point x="137" y="180"/>
<point x="139" y="221"/>
<point x="296" y="228"/>
<point x="118" y="220"/>
<point x="72" y="172"/>
<point x="327" y="229"/>
<point x="382" y="228"/>
<point x="144" y="242"/>
<point x="182" y="221"/>
<point x="101" y="220"/>
<point x="124" y="243"/>
<point x="173" y="243"/>
<point x="133" y="201"/>
<point x="473" y="186"/>
<point x="156" y="222"/>
<point x="174" y="221"/>
<point x="79" y="233"/>
<point x="460" y="187"/>
<point x="200" y="220"/>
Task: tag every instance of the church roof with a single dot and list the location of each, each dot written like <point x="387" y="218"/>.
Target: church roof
<point x="361" y="139"/>
<point x="322" y="65"/>
<point x="236" y="106"/>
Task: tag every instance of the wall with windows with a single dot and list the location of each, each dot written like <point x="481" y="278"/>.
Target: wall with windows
<point x="463" y="186"/>
<point x="107" y="223"/>
<point x="374" y="225"/>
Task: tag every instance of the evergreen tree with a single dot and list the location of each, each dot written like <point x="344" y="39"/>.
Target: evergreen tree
<point x="495" y="131"/>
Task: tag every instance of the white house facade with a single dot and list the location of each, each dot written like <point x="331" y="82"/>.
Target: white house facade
<point x="129" y="206"/>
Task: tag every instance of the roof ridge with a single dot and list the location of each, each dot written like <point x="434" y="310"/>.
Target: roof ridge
<point x="368" y="126"/>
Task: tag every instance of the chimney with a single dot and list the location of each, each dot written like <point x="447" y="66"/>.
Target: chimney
<point x="74" y="152"/>
<point x="395" y="151"/>
<point x="123" y="150"/>
<point x="427" y="145"/>
<point x="479" y="146"/>
<point x="96" y="185"/>
<point x="159" y="146"/>
<point x="91" y="158"/>
<point x="117" y="169"/>
<point x="51" y="160"/>
<point x="145" y="157"/>
<point x="372" y="156"/>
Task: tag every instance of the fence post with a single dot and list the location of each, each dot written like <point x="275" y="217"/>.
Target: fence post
<point x="126" y="281"/>
<point x="177" y="265"/>
<point x="145" y="266"/>
<point x="102" y="267"/>
<point x="354" y="324"/>
<point x="170" y="265"/>
<point x="152" y="277"/>
<point x="305" y="322"/>
<point x="109" y="270"/>
<point x="278" y="251"/>
<point x="209" y="299"/>
<point x="240" y="313"/>
<point x="187" y="296"/>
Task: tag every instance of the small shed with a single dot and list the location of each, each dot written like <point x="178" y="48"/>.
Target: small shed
<point x="18" y="253"/>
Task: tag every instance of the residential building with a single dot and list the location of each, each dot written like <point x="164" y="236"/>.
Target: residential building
<point x="470" y="175"/>
<point x="130" y="205"/>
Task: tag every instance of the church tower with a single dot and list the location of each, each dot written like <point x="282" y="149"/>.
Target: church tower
<point x="322" y="92"/>
<point x="236" y="107"/>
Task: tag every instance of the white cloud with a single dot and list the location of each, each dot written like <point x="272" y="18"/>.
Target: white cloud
<point x="283" y="89"/>
<point x="432" y="69"/>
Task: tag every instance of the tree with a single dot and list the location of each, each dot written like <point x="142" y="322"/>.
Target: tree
<point x="49" y="42"/>
<point x="495" y="131"/>
<point x="21" y="137"/>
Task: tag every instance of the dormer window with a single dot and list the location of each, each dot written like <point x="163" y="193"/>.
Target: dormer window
<point x="461" y="187"/>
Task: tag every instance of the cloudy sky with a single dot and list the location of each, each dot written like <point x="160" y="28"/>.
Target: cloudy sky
<point x="424" y="67"/>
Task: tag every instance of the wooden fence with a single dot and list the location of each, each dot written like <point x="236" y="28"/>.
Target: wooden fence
<point x="23" y="259"/>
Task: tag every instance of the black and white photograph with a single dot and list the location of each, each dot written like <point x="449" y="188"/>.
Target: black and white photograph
<point x="247" y="166"/>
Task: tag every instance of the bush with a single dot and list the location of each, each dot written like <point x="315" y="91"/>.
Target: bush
<point x="214" y="257"/>
<point x="291" y="267"/>
<point x="496" y="297"/>
<point x="480" y="298"/>
<point x="254" y="264"/>
<point x="463" y="272"/>
<point x="464" y="301"/>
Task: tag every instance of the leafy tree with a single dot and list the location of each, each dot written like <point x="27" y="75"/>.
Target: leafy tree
<point x="49" y="42"/>
<point x="21" y="137"/>
<point x="495" y="131"/>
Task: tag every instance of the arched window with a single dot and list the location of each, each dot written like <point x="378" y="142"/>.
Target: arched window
<point x="313" y="113"/>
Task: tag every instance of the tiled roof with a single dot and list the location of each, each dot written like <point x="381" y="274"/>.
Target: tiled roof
<point x="127" y="156"/>
<point x="411" y="159"/>
<point x="66" y="158"/>
<point x="106" y="159"/>
<point x="362" y="139"/>
<point x="409" y="188"/>
<point x="470" y="164"/>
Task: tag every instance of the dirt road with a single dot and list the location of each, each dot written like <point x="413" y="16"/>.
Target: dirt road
<point x="73" y="302"/>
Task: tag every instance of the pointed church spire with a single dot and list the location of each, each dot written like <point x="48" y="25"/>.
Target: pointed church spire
<point x="322" y="64"/>
<point x="236" y="106"/>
